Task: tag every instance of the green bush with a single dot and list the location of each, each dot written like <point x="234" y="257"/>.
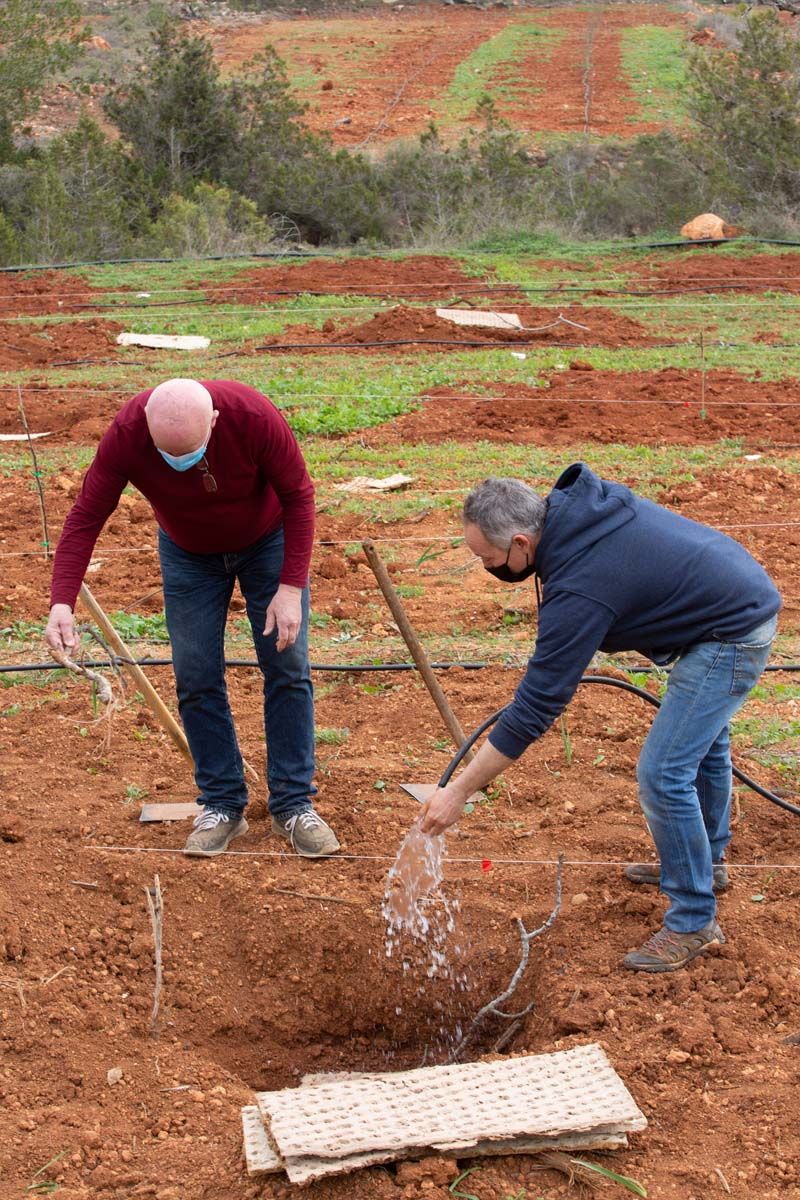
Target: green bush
<point x="80" y="198"/>
<point x="210" y="220"/>
<point x="745" y="107"/>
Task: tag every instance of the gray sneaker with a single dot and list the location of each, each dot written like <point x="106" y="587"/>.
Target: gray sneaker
<point x="212" y="832"/>
<point x="651" y="873"/>
<point x="307" y="832"/>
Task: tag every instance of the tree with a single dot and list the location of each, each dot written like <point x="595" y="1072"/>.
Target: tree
<point x="747" y="105"/>
<point x="36" y="41"/>
<point x="180" y="119"/>
<point x="80" y="198"/>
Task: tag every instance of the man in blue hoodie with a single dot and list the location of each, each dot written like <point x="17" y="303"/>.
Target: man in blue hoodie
<point x="619" y="572"/>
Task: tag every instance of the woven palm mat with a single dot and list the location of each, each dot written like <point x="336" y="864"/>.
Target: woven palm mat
<point x="331" y="1124"/>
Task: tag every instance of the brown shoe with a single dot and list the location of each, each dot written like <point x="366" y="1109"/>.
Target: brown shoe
<point x="668" y="950"/>
<point x="651" y="873"/>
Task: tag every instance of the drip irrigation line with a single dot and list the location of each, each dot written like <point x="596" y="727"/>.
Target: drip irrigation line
<point x="500" y="344"/>
<point x="248" y="662"/>
<point x="635" y="669"/>
<point x="605" y="680"/>
<point x="557" y="291"/>
<point x="390" y="858"/>
<point x="622" y="685"/>
<point x="616" y="248"/>
<point x="540" y="395"/>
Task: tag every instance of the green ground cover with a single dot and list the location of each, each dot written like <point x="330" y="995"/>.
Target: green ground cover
<point x="493" y="69"/>
<point x="654" y="63"/>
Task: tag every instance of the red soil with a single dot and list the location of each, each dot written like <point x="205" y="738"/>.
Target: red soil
<point x="420" y="277"/>
<point x="43" y="292"/>
<point x="631" y="407"/>
<point x="259" y="983"/>
<point x="705" y="271"/>
<point x="419" y="329"/>
<point x="24" y="346"/>
<point x="275" y="967"/>
<point x="369" y="95"/>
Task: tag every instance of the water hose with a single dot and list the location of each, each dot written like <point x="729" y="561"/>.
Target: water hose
<point x="623" y="685"/>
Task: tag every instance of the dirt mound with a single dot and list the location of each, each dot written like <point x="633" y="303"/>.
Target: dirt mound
<point x="426" y="277"/>
<point x="640" y="407"/>
<point x="709" y="272"/>
<point x="44" y="292"/>
<point x="417" y="329"/>
<point x="74" y="413"/>
<point x="49" y="346"/>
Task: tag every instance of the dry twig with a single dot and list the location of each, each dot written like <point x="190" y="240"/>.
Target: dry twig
<point x="493" y="1007"/>
<point x="155" y="909"/>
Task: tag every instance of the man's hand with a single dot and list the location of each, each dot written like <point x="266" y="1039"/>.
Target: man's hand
<point x="443" y="809"/>
<point x="285" y="615"/>
<point x="60" y="629"/>
<point x="447" y="804"/>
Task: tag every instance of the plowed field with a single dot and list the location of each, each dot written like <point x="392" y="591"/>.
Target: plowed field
<point x="275" y="967"/>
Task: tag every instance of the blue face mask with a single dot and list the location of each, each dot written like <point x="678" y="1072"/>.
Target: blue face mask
<point x="182" y="462"/>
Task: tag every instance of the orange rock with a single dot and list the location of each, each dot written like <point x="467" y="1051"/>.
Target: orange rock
<point x="709" y="225"/>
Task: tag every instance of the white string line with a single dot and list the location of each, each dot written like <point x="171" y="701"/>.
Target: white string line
<point x="388" y="289"/>
<point x="540" y="396"/>
<point x="323" y="542"/>
<point x="617" y="303"/>
<point x="539" y="862"/>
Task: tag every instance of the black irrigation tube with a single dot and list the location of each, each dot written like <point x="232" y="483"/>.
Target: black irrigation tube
<point x="626" y="687"/>
<point x="606" y="680"/>
<point x="624" y="248"/>
<point x="539" y="344"/>
<point x="345" y="668"/>
<point x="249" y="662"/>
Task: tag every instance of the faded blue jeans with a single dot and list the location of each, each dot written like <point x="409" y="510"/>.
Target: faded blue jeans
<point x="684" y="769"/>
<point x="197" y="593"/>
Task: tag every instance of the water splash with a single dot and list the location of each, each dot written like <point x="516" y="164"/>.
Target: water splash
<point x="420" y="920"/>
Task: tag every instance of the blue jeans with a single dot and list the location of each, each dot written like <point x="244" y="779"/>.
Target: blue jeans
<point x="684" y="769"/>
<point x="197" y="593"/>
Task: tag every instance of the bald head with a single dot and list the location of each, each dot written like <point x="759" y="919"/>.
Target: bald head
<point x="180" y="415"/>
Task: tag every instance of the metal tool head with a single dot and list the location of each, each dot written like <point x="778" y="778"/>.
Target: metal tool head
<point x="420" y="791"/>
<point x="168" y="812"/>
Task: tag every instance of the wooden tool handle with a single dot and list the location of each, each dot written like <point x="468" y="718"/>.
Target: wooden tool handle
<point x="151" y="696"/>
<point x="415" y="646"/>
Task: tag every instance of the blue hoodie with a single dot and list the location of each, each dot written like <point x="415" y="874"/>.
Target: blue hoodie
<point x="622" y="573"/>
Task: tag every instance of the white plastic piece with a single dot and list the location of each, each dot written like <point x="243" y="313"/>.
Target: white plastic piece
<point x="474" y="316"/>
<point x="20" y="437"/>
<point x="163" y="341"/>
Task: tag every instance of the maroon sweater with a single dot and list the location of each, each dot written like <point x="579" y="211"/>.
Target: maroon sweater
<point x="262" y="482"/>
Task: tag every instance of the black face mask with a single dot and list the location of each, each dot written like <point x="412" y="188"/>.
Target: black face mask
<point x="506" y="575"/>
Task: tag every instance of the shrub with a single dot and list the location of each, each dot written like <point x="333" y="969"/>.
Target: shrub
<point x="746" y="107"/>
<point x="210" y="220"/>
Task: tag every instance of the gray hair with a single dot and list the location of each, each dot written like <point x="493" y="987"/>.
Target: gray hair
<point x="502" y="507"/>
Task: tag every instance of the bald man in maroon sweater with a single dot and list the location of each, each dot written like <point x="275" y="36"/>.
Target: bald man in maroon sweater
<point x="233" y="500"/>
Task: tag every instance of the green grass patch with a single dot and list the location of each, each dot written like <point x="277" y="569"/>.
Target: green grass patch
<point x="331" y="737"/>
<point x="654" y="62"/>
<point x="491" y="69"/>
